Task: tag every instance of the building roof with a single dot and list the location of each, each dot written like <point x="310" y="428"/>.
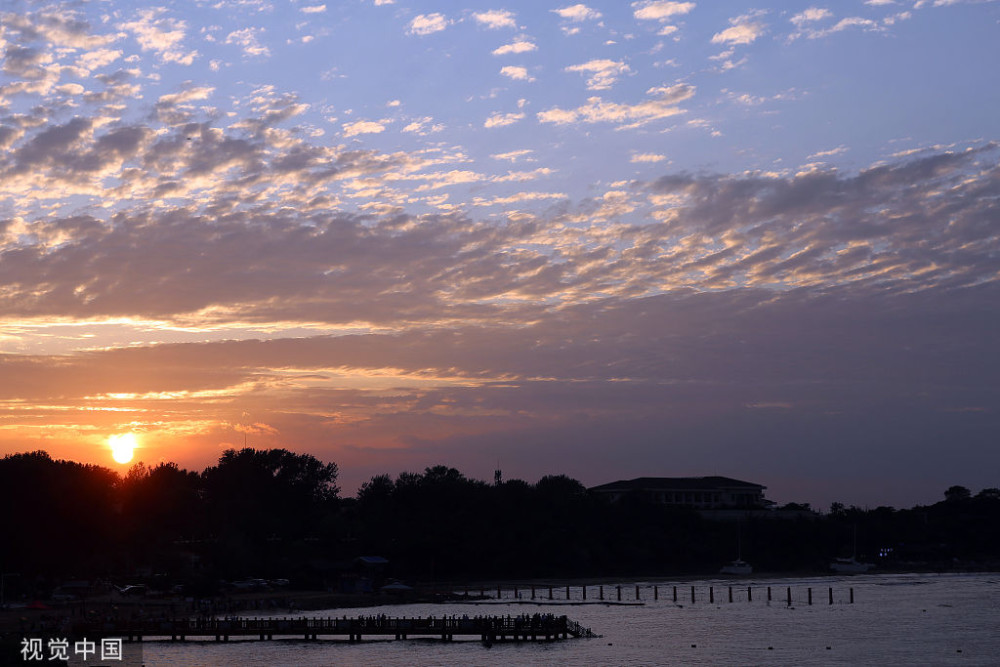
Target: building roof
<point x="371" y="560"/>
<point x="679" y="483"/>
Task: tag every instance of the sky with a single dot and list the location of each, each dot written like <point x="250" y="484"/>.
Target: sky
<point x="606" y="240"/>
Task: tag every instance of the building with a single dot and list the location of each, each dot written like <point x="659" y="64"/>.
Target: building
<point x="702" y="493"/>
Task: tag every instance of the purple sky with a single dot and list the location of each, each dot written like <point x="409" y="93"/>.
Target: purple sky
<point x="606" y="240"/>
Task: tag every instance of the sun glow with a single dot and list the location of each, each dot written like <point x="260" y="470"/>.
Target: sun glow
<point x="122" y="447"/>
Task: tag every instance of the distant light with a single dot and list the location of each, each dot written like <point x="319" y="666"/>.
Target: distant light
<point x="122" y="447"/>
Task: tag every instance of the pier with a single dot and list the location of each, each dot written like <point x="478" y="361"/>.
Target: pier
<point x="630" y="594"/>
<point x="489" y="629"/>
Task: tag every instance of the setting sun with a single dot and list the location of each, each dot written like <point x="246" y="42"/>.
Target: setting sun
<point x="122" y="447"/>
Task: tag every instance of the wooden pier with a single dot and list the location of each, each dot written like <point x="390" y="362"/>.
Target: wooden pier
<point x="623" y="594"/>
<point x="489" y="629"/>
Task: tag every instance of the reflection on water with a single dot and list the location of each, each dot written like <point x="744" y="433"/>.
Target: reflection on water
<point x="896" y="620"/>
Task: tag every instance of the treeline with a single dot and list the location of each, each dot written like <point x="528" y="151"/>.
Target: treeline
<point x="276" y="514"/>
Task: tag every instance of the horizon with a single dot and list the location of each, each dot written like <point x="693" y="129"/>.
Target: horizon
<point x="123" y="471"/>
<point x="606" y="240"/>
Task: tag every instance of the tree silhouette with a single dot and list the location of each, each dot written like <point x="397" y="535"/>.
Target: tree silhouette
<point x="263" y="493"/>
<point x="954" y="493"/>
<point x="275" y="513"/>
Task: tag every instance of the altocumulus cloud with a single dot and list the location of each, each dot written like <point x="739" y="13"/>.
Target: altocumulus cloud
<point x="366" y="300"/>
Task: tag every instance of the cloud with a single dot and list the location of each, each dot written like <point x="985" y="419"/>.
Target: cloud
<point x="660" y="10"/>
<point x="98" y="59"/>
<point x="863" y="300"/>
<point x="811" y="15"/>
<point x="429" y="301"/>
<point x="663" y="104"/>
<point x="745" y="99"/>
<point x="249" y="39"/>
<point x="520" y="46"/>
<point x="839" y="150"/>
<point x="516" y="73"/>
<point x="426" y="24"/>
<point x="845" y="24"/>
<point x="603" y="72"/>
<point x="519" y="198"/>
<point x="60" y="26"/>
<point x="160" y="34"/>
<point x="743" y="30"/>
<point x="563" y="116"/>
<point x="27" y="62"/>
<point x="363" y="127"/>
<point x="848" y="366"/>
<point x="577" y="13"/>
<point x="190" y="94"/>
<point x="423" y="126"/>
<point x="313" y="9"/>
<point x="522" y="176"/>
<point x="900" y="16"/>
<point x="495" y="19"/>
<point x="502" y="119"/>
<point x="449" y="178"/>
<point x="513" y="156"/>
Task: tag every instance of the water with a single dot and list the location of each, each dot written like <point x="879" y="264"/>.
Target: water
<point x="895" y="620"/>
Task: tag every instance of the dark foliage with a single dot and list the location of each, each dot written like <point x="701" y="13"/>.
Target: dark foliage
<point x="276" y="514"/>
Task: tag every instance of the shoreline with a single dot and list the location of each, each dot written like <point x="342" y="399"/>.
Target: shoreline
<point x="557" y="582"/>
<point x="481" y="592"/>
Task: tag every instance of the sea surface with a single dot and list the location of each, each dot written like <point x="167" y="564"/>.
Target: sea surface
<point x="900" y="619"/>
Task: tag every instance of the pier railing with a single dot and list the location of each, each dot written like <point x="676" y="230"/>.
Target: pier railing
<point x="488" y="628"/>
<point x="647" y="592"/>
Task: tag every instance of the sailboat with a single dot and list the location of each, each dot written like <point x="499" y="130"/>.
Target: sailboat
<point x="738" y="566"/>
<point x="851" y="565"/>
